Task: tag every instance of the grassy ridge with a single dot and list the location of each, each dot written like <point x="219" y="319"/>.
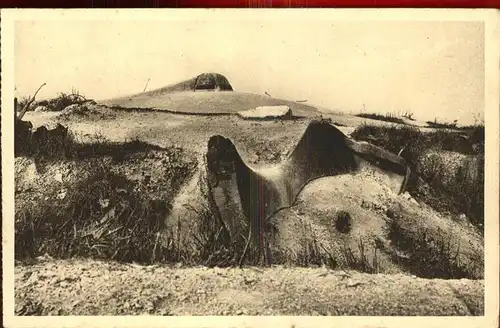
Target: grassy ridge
<point x="382" y="117"/>
<point x="455" y="188"/>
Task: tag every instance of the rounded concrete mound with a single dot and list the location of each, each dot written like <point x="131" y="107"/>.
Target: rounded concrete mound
<point x="212" y="94"/>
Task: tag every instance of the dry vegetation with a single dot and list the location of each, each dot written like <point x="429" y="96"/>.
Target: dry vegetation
<point x="124" y="228"/>
<point x="382" y="117"/>
<point x="457" y="189"/>
<point x="56" y="104"/>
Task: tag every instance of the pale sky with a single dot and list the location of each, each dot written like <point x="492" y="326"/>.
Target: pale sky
<point x="433" y="69"/>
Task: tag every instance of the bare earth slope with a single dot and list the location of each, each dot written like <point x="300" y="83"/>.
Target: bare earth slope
<point x="83" y="287"/>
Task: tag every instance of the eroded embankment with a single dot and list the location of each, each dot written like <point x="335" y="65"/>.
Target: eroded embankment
<point x="449" y="165"/>
<point x="102" y="200"/>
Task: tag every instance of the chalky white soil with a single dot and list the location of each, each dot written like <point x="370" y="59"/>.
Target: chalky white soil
<point x="87" y="287"/>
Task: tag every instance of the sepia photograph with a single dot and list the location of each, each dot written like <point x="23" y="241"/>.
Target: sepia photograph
<point x="248" y="163"/>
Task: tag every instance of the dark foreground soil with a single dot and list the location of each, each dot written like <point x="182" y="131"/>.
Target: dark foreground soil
<point x="88" y="287"/>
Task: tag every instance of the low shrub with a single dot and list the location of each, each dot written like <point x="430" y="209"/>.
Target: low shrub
<point x="432" y="252"/>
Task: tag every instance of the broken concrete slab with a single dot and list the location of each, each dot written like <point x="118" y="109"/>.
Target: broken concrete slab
<point x="267" y="112"/>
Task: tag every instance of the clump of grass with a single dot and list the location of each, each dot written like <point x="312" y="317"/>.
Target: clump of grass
<point x="431" y="253"/>
<point x="308" y="248"/>
<point x="395" y="138"/>
<point x="456" y="189"/>
<point x="104" y="216"/>
<point x="60" y="144"/>
<point x="63" y="100"/>
<point x="56" y="104"/>
<point x="476" y="136"/>
<point x="408" y="115"/>
<point x="304" y="250"/>
<point x="213" y="243"/>
<point x="101" y="216"/>
<point x="382" y="117"/>
<point x="23" y="101"/>
<point x="210" y="238"/>
<point x="360" y="260"/>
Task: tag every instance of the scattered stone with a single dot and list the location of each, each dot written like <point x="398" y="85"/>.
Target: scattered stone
<point x="462" y="218"/>
<point x="58" y="177"/>
<point x="44" y="257"/>
<point x="62" y="194"/>
<point x="249" y="281"/>
<point x="93" y="274"/>
<point x="104" y="202"/>
<point x="354" y="283"/>
<point x="32" y="279"/>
